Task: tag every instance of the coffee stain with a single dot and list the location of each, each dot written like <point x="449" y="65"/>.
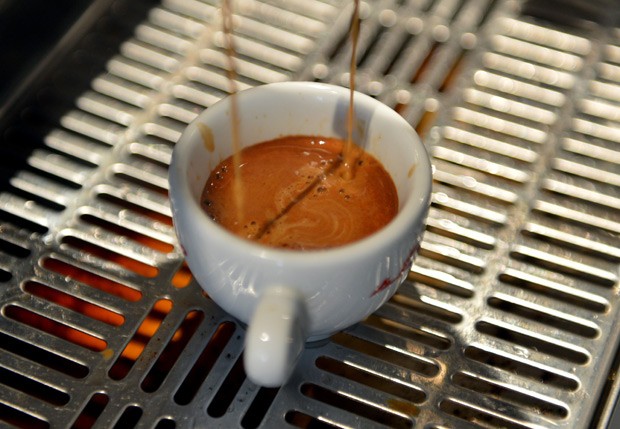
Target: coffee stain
<point x="207" y="136"/>
<point x="411" y="171"/>
<point x="107" y="354"/>
<point x="404" y="407"/>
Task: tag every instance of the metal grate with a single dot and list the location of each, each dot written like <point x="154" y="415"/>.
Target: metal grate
<point x="509" y="317"/>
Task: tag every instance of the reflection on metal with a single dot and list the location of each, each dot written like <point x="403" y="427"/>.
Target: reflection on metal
<point x="509" y="318"/>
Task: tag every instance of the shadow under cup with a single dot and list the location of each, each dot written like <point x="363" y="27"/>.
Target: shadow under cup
<point x="340" y="285"/>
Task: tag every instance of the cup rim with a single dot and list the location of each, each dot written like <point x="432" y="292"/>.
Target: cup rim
<point x="413" y="211"/>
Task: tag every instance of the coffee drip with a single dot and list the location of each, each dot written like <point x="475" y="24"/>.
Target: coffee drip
<point x="348" y="156"/>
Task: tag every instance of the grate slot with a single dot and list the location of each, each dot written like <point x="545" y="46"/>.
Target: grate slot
<point x="141" y="337"/>
<point x="372" y="412"/>
<point x="540" y="343"/>
<point x="531" y="370"/>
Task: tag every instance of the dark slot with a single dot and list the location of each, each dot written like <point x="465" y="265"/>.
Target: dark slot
<point x="545" y="318"/>
<point x="302" y="420"/>
<point x="419" y="73"/>
<point x="456" y="10"/>
<point x="169" y="356"/>
<point x="199" y="372"/>
<point x="91" y="411"/>
<point x="37" y="199"/>
<point x="130" y="418"/>
<point x="359" y="408"/>
<point x="407" y="38"/>
<point x="141" y="183"/>
<point x="166" y="424"/>
<point x="145" y="240"/>
<point x="448" y="259"/>
<point x="91" y="279"/>
<point x="426" y="122"/>
<point x="409" y="332"/>
<point x="441" y="284"/>
<point x="182" y="277"/>
<point x="33" y="388"/>
<point x="522" y="400"/>
<point x="14" y="249"/>
<point x="427" y="309"/>
<point x="453" y="74"/>
<point x="130" y="264"/>
<point x="55" y="328"/>
<point x="523" y="369"/>
<point x="42" y="357"/>
<point x="490" y="7"/>
<point x="574" y="299"/>
<point x="19" y="419"/>
<point x="228" y="390"/>
<point x="375" y="40"/>
<point x="259" y="407"/>
<point x="410" y="394"/>
<point x="72" y="303"/>
<point x="21" y="223"/>
<point x="141" y="337"/>
<point x="124" y="204"/>
<point x="567" y="269"/>
<point x="405" y="360"/>
<point x="5" y="276"/>
<point x="478" y="416"/>
<point x="533" y="343"/>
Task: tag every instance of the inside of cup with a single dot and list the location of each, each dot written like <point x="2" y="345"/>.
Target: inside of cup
<point x="283" y="110"/>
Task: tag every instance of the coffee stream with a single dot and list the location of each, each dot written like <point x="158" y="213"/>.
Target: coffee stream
<point x="227" y="24"/>
<point x="348" y="157"/>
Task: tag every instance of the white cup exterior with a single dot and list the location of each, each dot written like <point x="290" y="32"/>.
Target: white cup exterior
<point x="339" y="286"/>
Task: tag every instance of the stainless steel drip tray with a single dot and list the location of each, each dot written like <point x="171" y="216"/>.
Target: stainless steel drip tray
<point x="509" y="316"/>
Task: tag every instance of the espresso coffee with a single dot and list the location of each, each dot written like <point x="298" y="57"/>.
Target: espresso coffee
<point x="296" y="194"/>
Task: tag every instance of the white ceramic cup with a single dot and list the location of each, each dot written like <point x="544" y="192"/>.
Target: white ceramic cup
<point x="288" y="297"/>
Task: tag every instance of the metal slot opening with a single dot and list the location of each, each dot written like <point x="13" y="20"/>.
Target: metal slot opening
<point x="204" y="363"/>
<point x="55" y="328"/>
<point x="417" y="364"/>
<point x="104" y="284"/>
<point x="537" y="404"/>
<point x="404" y="391"/>
<point x="130" y="417"/>
<point x="259" y="407"/>
<point x="529" y="369"/>
<point x="20" y="419"/>
<point x="129" y="233"/>
<point x="479" y="416"/>
<point x="123" y="261"/>
<point x="349" y="403"/>
<point x="91" y="411"/>
<point x="43" y="357"/>
<point x="305" y="421"/>
<point x="405" y="331"/>
<point x="539" y="343"/>
<point x="74" y="303"/>
<point x="141" y="338"/>
<point x="34" y="388"/>
<point x="228" y="390"/>
<point x="171" y="353"/>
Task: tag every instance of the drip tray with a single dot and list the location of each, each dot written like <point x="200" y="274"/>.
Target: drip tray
<point x="509" y="317"/>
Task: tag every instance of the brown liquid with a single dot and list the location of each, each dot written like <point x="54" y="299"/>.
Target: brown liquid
<point x="295" y="196"/>
<point x="349" y="154"/>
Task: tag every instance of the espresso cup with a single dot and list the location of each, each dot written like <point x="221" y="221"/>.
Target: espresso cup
<point x="290" y="297"/>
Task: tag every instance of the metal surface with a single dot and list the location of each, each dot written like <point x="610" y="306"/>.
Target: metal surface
<point x="510" y="315"/>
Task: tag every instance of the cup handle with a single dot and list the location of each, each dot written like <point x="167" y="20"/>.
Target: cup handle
<point x="275" y="337"/>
